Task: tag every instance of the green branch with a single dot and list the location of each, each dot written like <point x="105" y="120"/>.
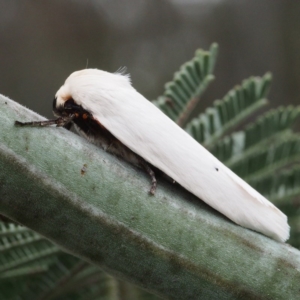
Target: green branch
<point x="171" y="244"/>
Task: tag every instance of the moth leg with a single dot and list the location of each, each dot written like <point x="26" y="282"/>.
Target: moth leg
<point x="152" y="175"/>
<point x="59" y="122"/>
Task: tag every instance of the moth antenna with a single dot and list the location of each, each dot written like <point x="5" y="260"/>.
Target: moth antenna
<point x="122" y="71"/>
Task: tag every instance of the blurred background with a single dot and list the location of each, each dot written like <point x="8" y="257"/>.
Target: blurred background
<point x="42" y="42"/>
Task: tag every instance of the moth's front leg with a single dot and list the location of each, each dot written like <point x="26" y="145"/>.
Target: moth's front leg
<point x="59" y="122"/>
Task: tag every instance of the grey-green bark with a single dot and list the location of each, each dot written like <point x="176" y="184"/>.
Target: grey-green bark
<point x="98" y="208"/>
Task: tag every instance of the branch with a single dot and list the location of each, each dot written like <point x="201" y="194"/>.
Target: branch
<point x="171" y="244"/>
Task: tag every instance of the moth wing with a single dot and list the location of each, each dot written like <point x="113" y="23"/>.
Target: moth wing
<point x="144" y="129"/>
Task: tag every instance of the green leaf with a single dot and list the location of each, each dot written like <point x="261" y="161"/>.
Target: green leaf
<point x="268" y="129"/>
<point x="268" y="160"/>
<point x="227" y="113"/>
<point x="21" y="247"/>
<point x="281" y="187"/>
<point x="61" y="276"/>
<point x="183" y="93"/>
<point x="107" y="217"/>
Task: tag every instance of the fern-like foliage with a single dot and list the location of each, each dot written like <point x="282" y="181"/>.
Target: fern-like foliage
<point x="284" y="189"/>
<point x="227" y="113"/>
<point x="281" y="188"/>
<point x="267" y="161"/>
<point x="22" y="248"/>
<point x="268" y="128"/>
<point x="183" y="93"/>
<point x="265" y="153"/>
<point x="33" y="268"/>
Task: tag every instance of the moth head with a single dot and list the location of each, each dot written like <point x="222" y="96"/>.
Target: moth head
<point x="62" y="98"/>
<point x="69" y="93"/>
<point x="85" y="87"/>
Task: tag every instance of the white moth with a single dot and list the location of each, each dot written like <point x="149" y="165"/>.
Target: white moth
<point x="106" y="109"/>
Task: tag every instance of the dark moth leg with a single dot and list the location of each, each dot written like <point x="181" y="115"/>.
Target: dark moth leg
<point x="148" y="169"/>
<point x="59" y="122"/>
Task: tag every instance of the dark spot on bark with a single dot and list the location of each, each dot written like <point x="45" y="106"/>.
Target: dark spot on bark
<point x="217" y="169"/>
<point x="83" y="169"/>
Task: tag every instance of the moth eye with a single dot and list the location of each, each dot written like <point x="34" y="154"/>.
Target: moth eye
<point x="69" y="101"/>
<point x="69" y="104"/>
